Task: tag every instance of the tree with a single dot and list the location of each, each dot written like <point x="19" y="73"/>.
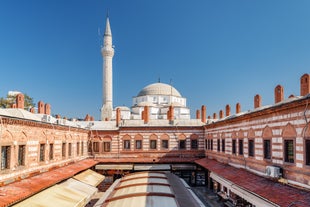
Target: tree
<point x="11" y="99"/>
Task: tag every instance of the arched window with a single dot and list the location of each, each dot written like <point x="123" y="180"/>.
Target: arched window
<point x="194" y="141"/>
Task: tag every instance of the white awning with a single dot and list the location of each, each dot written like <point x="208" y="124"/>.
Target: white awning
<point x="114" y="167"/>
<point x="90" y="177"/>
<point x="151" y="167"/>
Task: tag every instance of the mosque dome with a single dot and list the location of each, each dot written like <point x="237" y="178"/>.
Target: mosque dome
<point x="159" y="89"/>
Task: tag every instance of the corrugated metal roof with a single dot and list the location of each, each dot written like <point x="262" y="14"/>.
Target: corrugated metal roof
<point x="90" y="177"/>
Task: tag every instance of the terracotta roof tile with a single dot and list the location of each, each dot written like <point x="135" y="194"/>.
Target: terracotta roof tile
<point x="17" y="191"/>
<point x="275" y="192"/>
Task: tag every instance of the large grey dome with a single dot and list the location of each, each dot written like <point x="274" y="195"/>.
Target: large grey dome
<point x="159" y="89"/>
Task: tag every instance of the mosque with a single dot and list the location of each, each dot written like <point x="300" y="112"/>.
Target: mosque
<point x="136" y="156"/>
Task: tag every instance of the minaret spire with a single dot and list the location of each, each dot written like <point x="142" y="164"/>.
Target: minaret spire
<point x="107" y="52"/>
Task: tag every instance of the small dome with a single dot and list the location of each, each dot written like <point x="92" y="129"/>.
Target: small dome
<point x="122" y="108"/>
<point x="159" y="89"/>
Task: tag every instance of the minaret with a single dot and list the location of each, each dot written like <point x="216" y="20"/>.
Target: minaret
<point x="107" y="52"/>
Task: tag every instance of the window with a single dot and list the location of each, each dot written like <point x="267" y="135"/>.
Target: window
<point x="96" y="147"/>
<point x="267" y="149"/>
<point x="63" y="150"/>
<point x="70" y="150"/>
<point x="218" y="145"/>
<point x="82" y="148"/>
<point x="194" y="144"/>
<point x="240" y="147"/>
<point x="251" y="148"/>
<point x="78" y="148"/>
<point x="223" y="145"/>
<point x="182" y="144"/>
<point x="207" y="144"/>
<point x="164" y="144"/>
<point x="289" y="151"/>
<point x="127" y="144"/>
<point x="51" y="152"/>
<point x="42" y="152"/>
<point x="138" y="144"/>
<point x="107" y="146"/>
<point x="307" y="151"/>
<point x="153" y="144"/>
<point x="211" y="144"/>
<point x="5" y="157"/>
<point x="21" y="154"/>
<point x="234" y="146"/>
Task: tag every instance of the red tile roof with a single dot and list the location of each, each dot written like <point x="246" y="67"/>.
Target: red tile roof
<point x="283" y="195"/>
<point x="17" y="191"/>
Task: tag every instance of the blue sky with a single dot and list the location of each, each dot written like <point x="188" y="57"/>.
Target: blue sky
<point x="216" y="52"/>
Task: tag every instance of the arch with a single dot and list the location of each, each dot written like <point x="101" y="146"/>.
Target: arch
<point x="267" y="132"/>
<point x="23" y="137"/>
<point x="222" y="135"/>
<point x="138" y="136"/>
<point x="126" y="137"/>
<point x="194" y="136"/>
<point x="289" y="131"/>
<point x="6" y="136"/>
<point x="106" y="138"/>
<point x="164" y="136"/>
<point x="153" y="136"/>
<point x="234" y="135"/>
<point x="182" y="137"/>
<point x="251" y="133"/>
<point x="306" y="132"/>
<point x="241" y="134"/>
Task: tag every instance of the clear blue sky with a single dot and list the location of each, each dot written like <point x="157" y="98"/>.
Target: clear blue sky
<point x="216" y="52"/>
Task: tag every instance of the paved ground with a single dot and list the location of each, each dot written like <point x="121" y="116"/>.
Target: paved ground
<point x="208" y="197"/>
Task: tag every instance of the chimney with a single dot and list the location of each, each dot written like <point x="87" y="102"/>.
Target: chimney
<point x="20" y="100"/>
<point x="238" y="108"/>
<point x="40" y="107"/>
<point x="118" y="116"/>
<point x="197" y="114"/>
<point x="203" y="113"/>
<point x="92" y="118"/>
<point x="32" y="110"/>
<point x="227" y="110"/>
<point x="171" y="113"/>
<point x="278" y="94"/>
<point x="146" y="114"/>
<point x="214" y="116"/>
<point x="221" y="114"/>
<point x="305" y="85"/>
<point x="87" y="117"/>
<point x="47" y="109"/>
<point x="209" y="117"/>
<point x="58" y="116"/>
<point x="257" y="101"/>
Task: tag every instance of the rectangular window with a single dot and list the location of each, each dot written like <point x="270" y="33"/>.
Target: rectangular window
<point x="63" y="150"/>
<point x="127" y="144"/>
<point x="267" y="149"/>
<point x="211" y="144"/>
<point x="82" y="148"/>
<point x="70" y="150"/>
<point x="206" y="144"/>
<point x="21" y="155"/>
<point x="107" y="146"/>
<point x="96" y="147"/>
<point x="218" y="145"/>
<point x="138" y="144"/>
<point x="5" y="157"/>
<point x="78" y="148"/>
<point x="51" y="152"/>
<point x="307" y="151"/>
<point x="42" y="152"/>
<point x="289" y="151"/>
<point x="182" y="144"/>
<point x="240" y="147"/>
<point x="223" y="145"/>
<point x="234" y="146"/>
<point x="194" y="144"/>
<point x="164" y="144"/>
<point x="153" y="144"/>
<point x="251" y="148"/>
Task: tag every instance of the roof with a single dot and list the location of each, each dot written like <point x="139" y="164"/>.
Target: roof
<point x="17" y="191"/>
<point x="159" y="89"/>
<point x="282" y="195"/>
<point x="148" y="189"/>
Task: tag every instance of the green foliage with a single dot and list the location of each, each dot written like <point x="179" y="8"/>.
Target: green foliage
<point x="9" y="100"/>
